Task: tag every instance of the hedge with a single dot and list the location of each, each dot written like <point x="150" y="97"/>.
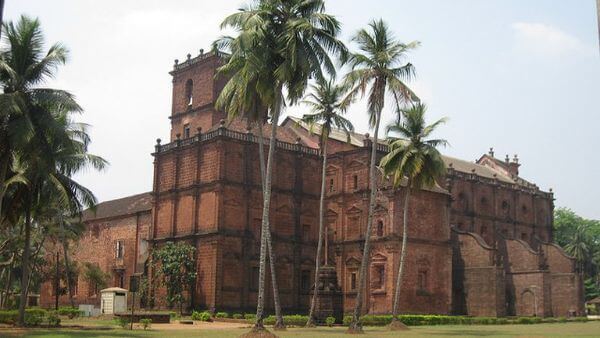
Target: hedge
<point x="68" y="311"/>
<point x="33" y="317"/>
<point x="416" y="320"/>
<point x="201" y="316"/>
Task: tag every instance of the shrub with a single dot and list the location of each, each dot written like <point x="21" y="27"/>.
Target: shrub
<point x="562" y="319"/>
<point x="222" y="315"/>
<point x="174" y="315"/>
<point x="251" y="317"/>
<point x="579" y="319"/>
<point x="237" y="316"/>
<point x="146" y="322"/>
<point x="201" y="316"/>
<point x="123" y="322"/>
<point x="502" y="321"/>
<point x="53" y="319"/>
<point x="524" y="320"/>
<point x="68" y="311"/>
<point x="330" y="321"/>
<point x="33" y="316"/>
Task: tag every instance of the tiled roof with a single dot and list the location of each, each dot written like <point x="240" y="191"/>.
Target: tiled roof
<point x="357" y="139"/>
<point x="120" y="207"/>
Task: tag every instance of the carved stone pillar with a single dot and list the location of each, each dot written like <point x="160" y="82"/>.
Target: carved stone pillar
<point x="329" y="300"/>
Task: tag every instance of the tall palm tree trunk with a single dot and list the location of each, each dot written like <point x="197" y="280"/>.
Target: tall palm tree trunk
<point x="35" y="254"/>
<point x="8" y="283"/>
<point x="4" y="164"/>
<point x="279" y="324"/>
<point x="259" y="325"/>
<point x="25" y="264"/>
<point x="311" y="314"/>
<point x="396" y="324"/>
<point x="355" y="325"/>
<point x="67" y="264"/>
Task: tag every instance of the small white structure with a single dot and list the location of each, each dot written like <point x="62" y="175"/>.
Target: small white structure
<point x="113" y="300"/>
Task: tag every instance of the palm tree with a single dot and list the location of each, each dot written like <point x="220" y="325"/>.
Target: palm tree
<point x="238" y="101"/>
<point x="327" y="104"/>
<point x="578" y="247"/>
<point x="281" y="45"/>
<point x="378" y="66"/>
<point x="42" y="136"/>
<point x="414" y="157"/>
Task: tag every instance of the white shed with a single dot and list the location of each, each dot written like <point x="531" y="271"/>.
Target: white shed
<point x="113" y="300"/>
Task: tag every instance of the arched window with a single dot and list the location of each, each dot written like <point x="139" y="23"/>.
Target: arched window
<point x="189" y="88"/>
<point x="380" y="228"/>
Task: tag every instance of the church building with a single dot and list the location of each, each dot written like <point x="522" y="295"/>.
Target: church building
<point x="480" y="242"/>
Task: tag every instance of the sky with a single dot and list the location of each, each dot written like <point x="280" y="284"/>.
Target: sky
<point x="520" y="76"/>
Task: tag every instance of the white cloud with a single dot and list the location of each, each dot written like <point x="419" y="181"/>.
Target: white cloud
<point x="543" y="39"/>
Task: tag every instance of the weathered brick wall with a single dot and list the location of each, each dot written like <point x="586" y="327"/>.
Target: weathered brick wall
<point x="98" y="246"/>
<point x="201" y="112"/>
<point x="478" y="283"/>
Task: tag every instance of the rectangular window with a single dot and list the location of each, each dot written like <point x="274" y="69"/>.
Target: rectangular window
<point x="422" y="280"/>
<point x="186" y="131"/>
<point x="306" y="232"/>
<point x="378" y="277"/>
<point x="120" y="250"/>
<point x="353" y="281"/>
<point x="254" y="278"/>
<point x="483" y="230"/>
<point x="524" y="236"/>
<point x="305" y="280"/>
<point x="355" y="178"/>
<point x="331" y="186"/>
<point x="121" y="280"/>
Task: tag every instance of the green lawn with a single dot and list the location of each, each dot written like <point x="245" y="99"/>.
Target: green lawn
<point x="590" y="329"/>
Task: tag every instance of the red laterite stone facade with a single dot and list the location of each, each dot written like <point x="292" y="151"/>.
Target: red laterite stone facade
<point x="480" y="242"/>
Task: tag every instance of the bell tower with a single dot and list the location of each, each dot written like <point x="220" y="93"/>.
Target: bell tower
<point x="195" y="91"/>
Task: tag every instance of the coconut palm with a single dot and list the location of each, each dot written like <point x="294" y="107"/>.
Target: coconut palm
<point x="414" y="160"/>
<point x="281" y="45"/>
<point x="578" y="246"/>
<point x="238" y="101"/>
<point x="379" y="68"/>
<point x="37" y="130"/>
<point x="327" y="102"/>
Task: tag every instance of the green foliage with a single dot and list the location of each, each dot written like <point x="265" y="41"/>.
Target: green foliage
<point x="176" y="265"/>
<point x="251" y="317"/>
<point x="580" y="238"/>
<point x="123" y="322"/>
<point x="419" y="320"/>
<point x="330" y="321"/>
<point x="53" y="319"/>
<point x="94" y="275"/>
<point x="222" y="315"/>
<point x="290" y="320"/>
<point x="68" y="311"/>
<point x="33" y="316"/>
<point x="203" y="316"/>
<point x="237" y="316"/>
<point x="146" y="323"/>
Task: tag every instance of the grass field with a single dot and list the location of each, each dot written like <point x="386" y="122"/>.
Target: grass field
<point x="590" y="329"/>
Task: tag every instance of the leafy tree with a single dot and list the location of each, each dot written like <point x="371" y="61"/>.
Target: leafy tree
<point x="327" y="104"/>
<point x="414" y="160"/>
<point x="580" y="238"/>
<point x="94" y="275"/>
<point x="280" y="45"/>
<point x="378" y="68"/>
<point x="38" y="133"/>
<point x="176" y="265"/>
